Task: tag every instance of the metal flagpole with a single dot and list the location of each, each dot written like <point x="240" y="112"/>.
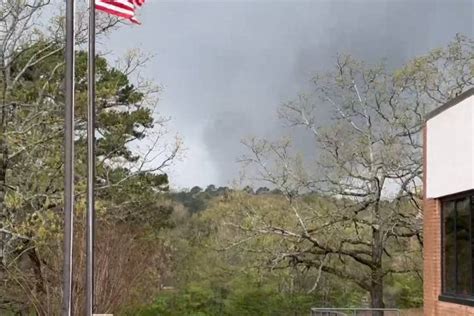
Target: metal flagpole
<point x="68" y="160"/>
<point x="90" y="164"/>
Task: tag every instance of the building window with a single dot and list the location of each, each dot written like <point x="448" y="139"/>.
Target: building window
<point x="457" y="238"/>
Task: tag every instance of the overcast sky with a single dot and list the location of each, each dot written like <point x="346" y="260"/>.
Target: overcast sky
<point x="227" y="65"/>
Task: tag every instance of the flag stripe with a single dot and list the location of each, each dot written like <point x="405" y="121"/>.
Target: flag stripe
<point x="122" y="3"/>
<point x="121" y="8"/>
<point x="114" y="9"/>
<point x="138" y="3"/>
<point x="133" y="20"/>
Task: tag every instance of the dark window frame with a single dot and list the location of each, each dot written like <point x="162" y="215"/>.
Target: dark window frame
<point x="457" y="297"/>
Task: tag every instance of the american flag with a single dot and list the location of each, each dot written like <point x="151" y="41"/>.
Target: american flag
<point x="121" y="8"/>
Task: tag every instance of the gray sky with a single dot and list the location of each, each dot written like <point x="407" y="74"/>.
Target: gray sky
<point x="226" y="66"/>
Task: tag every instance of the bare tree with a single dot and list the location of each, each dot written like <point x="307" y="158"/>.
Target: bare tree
<point x="369" y="166"/>
<point x="127" y="268"/>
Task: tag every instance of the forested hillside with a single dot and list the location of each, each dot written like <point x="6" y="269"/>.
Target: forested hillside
<point x="218" y="269"/>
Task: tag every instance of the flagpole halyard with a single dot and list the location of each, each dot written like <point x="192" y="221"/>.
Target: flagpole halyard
<point x="91" y="165"/>
<point x="68" y="161"/>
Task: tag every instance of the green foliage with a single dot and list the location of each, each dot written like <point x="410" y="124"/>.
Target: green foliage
<point x="211" y="278"/>
<point x="197" y="200"/>
<point x="405" y="291"/>
<point x="32" y="137"/>
<point x="249" y="299"/>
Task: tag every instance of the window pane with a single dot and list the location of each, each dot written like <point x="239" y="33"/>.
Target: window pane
<point x="449" y="247"/>
<point x="472" y="244"/>
<point x="463" y="246"/>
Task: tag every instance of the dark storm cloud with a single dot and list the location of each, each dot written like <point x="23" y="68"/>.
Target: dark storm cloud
<point x="227" y="66"/>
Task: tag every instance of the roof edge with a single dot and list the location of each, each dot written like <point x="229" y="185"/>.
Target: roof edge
<point x="466" y="94"/>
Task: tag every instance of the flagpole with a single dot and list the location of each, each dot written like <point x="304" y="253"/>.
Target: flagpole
<point x="90" y="165"/>
<point x="68" y="160"/>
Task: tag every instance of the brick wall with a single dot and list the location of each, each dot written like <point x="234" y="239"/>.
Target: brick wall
<point x="432" y="257"/>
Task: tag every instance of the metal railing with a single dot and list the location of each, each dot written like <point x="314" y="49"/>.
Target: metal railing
<point x="355" y="311"/>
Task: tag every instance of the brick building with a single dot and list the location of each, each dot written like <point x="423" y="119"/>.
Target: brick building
<point x="449" y="208"/>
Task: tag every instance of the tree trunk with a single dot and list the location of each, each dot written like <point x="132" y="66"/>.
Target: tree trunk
<point x="377" y="288"/>
<point x="3" y="174"/>
<point x="39" y="284"/>
<point x="5" y="73"/>
<point x="376" y="292"/>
